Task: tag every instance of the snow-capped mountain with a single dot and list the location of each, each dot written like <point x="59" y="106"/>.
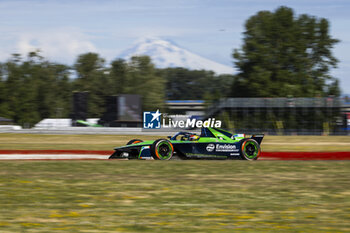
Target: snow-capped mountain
<point x="166" y="54"/>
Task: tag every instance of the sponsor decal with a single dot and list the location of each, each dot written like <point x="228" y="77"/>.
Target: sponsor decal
<point x="225" y="148"/>
<point x="234" y="154"/>
<point x="221" y="148"/>
<point x="210" y="147"/>
<point x="206" y="156"/>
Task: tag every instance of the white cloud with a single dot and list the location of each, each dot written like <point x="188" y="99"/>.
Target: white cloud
<point x="61" y="45"/>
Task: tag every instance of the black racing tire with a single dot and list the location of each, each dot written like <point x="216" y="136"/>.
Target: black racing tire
<point x="162" y="149"/>
<point x="133" y="141"/>
<point x="250" y="149"/>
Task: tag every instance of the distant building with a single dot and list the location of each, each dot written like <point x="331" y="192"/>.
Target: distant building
<point x="188" y="107"/>
<point x="5" y="121"/>
<point x="283" y="115"/>
<point x="122" y="111"/>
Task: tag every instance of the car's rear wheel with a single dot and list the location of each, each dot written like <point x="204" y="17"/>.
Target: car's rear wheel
<point x="162" y="149"/>
<point x="134" y="141"/>
<point x="250" y="149"/>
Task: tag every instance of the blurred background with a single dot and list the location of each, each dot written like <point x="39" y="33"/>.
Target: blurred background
<point x="277" y="68"/>
<point x="76" y="76"/>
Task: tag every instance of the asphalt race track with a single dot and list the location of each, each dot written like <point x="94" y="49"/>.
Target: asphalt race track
<point x="98" y="155"/>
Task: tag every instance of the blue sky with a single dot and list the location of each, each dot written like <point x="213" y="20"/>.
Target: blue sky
<point x="211" y="28"/>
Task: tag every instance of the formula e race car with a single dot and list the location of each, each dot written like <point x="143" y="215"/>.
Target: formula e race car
<point x="212" y="143"/>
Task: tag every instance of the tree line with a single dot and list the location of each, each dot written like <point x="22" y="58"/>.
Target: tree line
<point x="285" y="54"/>
<point x="282" y="55"/>
<point x="33" y="88"/>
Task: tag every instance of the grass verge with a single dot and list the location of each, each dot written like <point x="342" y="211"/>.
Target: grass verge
<point x="174" y="196"/>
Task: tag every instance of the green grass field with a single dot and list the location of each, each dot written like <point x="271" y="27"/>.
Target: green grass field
<point x="108" y="142"/>
<point x="174" y="196"/>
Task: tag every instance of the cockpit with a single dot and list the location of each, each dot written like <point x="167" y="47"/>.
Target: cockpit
<point x="185" y="136"/>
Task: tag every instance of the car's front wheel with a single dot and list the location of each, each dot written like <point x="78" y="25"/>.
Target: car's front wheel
<point x="162" y="149"/>
<point x="250" y="149"/>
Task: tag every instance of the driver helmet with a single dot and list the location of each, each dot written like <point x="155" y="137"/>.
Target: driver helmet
<point x="193" y="137"/>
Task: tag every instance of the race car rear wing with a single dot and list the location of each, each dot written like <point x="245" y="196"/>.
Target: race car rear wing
<point x="258" y="137"/>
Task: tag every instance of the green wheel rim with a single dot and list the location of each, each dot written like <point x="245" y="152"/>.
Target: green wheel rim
<point x="250" y="150"/>
<point x="164" y="150"/>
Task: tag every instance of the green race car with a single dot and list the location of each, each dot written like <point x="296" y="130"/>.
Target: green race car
<point x="212" y="143"/>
